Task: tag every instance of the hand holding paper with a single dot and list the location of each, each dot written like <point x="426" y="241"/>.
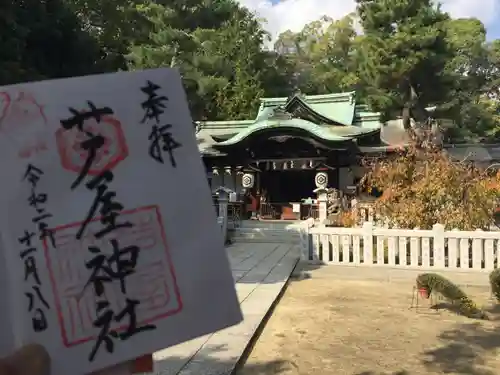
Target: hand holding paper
<point x="102" y="189"/>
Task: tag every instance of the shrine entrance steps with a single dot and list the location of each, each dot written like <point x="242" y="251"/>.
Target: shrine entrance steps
<point x="255" y="231"/>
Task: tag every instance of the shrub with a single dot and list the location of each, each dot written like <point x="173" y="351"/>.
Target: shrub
<point x="495" y="283"/>
<point x="422" y="187"/>
<point x="435" y="283"/>
<point x="347" y="219"/>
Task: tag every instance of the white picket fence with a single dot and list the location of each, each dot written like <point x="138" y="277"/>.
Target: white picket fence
<point x="413" y="249"/>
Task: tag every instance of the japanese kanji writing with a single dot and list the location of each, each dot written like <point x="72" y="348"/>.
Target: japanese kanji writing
<point x="37" y="201"/>
<point x="120" y="262"/>
<point x="161" y="137"/>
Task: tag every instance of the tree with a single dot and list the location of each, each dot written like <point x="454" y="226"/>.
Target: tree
<point x="322" y="53"/>
<point x="217" y="47"/>
<point x="43" y="39"/>
<point x="239" y="46"/>
<point x="114" y="25"/>
<point x="472" y="72"/>
<point x="402" y="55"/>
<point x="492" y="88"/>
<point x="278" y="75"/>
<point x="423" y="186"/>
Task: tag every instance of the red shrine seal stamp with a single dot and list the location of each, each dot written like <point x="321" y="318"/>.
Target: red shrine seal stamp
<point x="113" y="151"/>
<point x="21" y="119"/>
<point x="153" y="283"/>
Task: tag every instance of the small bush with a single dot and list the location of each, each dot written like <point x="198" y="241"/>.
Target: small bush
<point x="435" y="283"/>
<point x="347" y="219"/>
<point x="495" y="283"/>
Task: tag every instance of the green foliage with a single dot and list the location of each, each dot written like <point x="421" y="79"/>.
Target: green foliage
<point x="114" y="26"/>
<point x="43" y="39"/>
<point x="471" y="73"/>
<point x="322" y="55"/>
<point x="406" y="46"/>
<point x="434" y="283"/>
<point x="411" y="55"/>
<point x="495" y="283"/>
<point x="216" y="46"/>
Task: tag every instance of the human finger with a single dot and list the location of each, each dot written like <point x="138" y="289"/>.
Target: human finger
<point x="31" y="359"/>
<point x="142" y="364"/>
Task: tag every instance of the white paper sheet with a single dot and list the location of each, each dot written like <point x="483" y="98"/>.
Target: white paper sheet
<point x="181" y="279"/>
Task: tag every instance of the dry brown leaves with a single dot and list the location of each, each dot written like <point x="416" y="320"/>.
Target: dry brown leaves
<point x="423" y="187"/>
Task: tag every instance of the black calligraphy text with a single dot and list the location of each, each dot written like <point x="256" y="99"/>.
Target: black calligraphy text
<point x="104" y="202"/>
<point x="93" y="142"/>
<point x="115" y="266"/>
<point x="37" y="201"/>
<point x="37" y="303"/>
<point x="161" y="139"/>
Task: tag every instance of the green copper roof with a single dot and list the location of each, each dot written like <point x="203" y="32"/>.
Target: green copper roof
<point x="273" y="102"/>
<point x="330" y="118"/>
<point x="367" y="120"/>
<point x="326" y="133"/>
<point x="339" y="107"/>
<point x="265" y="113"/>
<point x="232" y="124"/>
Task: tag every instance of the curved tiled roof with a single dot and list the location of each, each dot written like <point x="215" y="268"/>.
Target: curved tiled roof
<point x="326" y="133"/>
<point x="339" y="108"/>
<point x="342" y="111"/>
<point x="333" y="118"/>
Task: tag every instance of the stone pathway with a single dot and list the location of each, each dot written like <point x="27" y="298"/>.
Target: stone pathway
<point x="260" y="271"/>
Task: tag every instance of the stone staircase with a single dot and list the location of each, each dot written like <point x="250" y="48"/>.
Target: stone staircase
<point x="266" y="231"/>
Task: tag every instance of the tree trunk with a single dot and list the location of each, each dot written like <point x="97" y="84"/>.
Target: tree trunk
<point x="406" y="115"/>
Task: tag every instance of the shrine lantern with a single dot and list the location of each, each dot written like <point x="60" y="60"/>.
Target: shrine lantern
<point x="321" y="180"/>
<point x="248" y="180"/>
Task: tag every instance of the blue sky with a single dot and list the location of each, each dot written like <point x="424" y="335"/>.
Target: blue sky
<point x="493" y="31"/>
<point x="282" y="15"/>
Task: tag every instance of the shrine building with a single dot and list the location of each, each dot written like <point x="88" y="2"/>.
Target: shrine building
<point x="294" y="146"/>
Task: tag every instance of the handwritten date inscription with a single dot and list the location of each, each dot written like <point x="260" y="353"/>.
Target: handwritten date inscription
<point x="153" y="284"/>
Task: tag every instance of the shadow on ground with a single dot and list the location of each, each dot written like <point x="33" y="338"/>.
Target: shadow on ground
<point x="494" y="311"/>
<point x="209" y="362"/>
<point x="402" y="372"/>
<point x="304" y="270"/>
<point x="455" y="309"/>
<point x="464" y="349"/>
